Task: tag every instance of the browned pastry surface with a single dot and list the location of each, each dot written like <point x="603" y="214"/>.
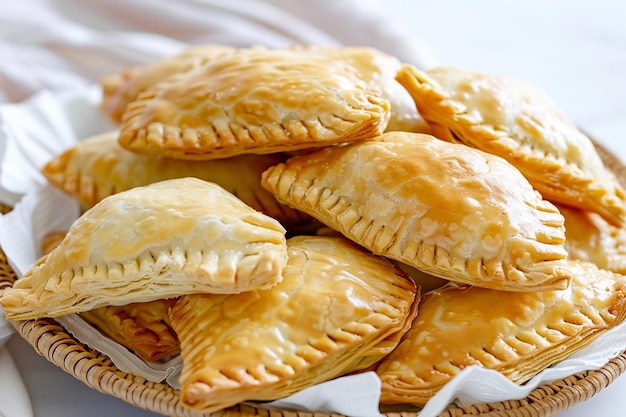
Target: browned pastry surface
<point x="517" y="334"/>
<point x="254" y="101"/>
<point x="338" y="309"/>
<point x="447" y="209"/>
<point x="516" y="120"/>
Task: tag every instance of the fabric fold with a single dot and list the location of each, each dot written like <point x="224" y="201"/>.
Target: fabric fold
<point x="14" y="399"/>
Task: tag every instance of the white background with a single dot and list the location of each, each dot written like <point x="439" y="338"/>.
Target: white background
<point x="573" y="49"/>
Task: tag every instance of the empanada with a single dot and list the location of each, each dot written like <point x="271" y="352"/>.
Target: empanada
<point x="338" y="309"/>
<point x="51" y="240"/>
<point x="254" y="101"/>
<point x="160" y="241"/>
<point x="143" y="328"/>
<point x="516" y="334"/>
<point x="518" y="121"/>
<point x="120" y="89"/>
<point x="447" y="209"/>
<point x="588" y="237"/>
<point x="98" y="167"/>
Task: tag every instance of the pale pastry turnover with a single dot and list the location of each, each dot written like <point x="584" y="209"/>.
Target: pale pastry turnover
<point x="517" y="120"/>
<point x="588" y="237"/>
<point x="446" y="209"/>
<point x="160" y="241"/>
<point x="338" y="309"/>
<point x="98" y="167"/>
<point x="516" y="334"/>
<point x="254" y="101"/>
<point x="120" y="89"/>
<point x="379" y="69"/>
<point x="143" y="328"/>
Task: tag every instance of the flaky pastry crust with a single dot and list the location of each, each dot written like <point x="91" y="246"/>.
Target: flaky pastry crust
<point x="143" y="328"/>
<point x="590" y="238"/>
<point x="254" y="101"/>
<point x="118" y="90"/>
<point x="518" y="121"/>
<point x="446" y="209"/>
<point x="160" y="241"/>
<point x="379" y="69"/>
<point x="98" y="167"/>
<point x="338" y="309"/>
<point x="516" y="334"/>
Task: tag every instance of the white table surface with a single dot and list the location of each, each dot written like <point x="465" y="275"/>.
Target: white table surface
<point x="575" y="50"/>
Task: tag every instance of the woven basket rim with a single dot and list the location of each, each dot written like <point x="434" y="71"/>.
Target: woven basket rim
<point x="96" y="370"/>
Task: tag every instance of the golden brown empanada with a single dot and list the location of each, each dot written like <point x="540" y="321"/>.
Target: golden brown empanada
<point x="120" y="89"/>
<point x="379" y="69"/>
<point x="143" y="328"/>
<point x="338" y="309"/>
<point x="160" y="241"/>
<point x="520" y="122"/>
<point x="51" y="240"/>
<point x="517" y="334"/>
<point x="98" y="167"/>
<point x="588" y="237"/>
<point x="254" y="101"/>
<point x="447" y="209"/>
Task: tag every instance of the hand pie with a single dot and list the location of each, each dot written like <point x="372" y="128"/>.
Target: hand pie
<point x="254" y="101"/>
<point x="160" y="241"/>
<point x="446" y="209"/>
<point x="52" y="240"/>
<point x="518" y="121"/>
<point x="120" y="89"/>
<point x="516" y="334"/>
<point x="338" y="309"/>
<point x="379" y="70"/>
<point x="98" y="167"/>
<point x="143" y="328"/>
<point x="588" y="237"/>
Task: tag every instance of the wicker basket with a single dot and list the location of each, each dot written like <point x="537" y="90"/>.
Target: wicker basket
<point x="97" y="371"/>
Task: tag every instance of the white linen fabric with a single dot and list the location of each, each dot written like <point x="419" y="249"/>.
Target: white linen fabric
<point x="14" y="400"/>
<point x="61" y="44"/>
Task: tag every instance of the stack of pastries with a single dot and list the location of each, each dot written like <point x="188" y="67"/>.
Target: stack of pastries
<point x="283" y="217"/>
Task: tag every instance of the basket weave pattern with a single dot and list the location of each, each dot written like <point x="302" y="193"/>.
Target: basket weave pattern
<point x="96" y="370"/>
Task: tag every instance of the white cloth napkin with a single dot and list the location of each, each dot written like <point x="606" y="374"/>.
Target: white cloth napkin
<point x="14" y="401"/>
<point x="63" y="44"/>
<point x="6" y="330"/>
